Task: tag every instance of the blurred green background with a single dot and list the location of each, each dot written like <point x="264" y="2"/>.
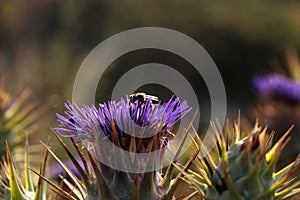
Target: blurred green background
<point x="42" y="43"/>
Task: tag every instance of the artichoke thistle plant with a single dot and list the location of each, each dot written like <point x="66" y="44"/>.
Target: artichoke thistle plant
<point x="18" y="116"/>
<point x="13" y="186"/>
<point x="19" y="120"/>
<point x="115" y="121"/>
<point x="278" y="102"/>
<point x="243" y="167"/>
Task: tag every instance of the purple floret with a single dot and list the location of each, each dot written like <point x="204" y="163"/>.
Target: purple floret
<point x="124" y="114"/>
<point x="278" y="86"/>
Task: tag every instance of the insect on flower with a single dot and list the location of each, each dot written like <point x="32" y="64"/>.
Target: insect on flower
<point x="142" y="98"/>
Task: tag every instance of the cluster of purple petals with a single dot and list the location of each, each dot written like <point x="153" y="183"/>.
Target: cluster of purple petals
<point x="278" y="86"/>
<point x="85" y="121"/>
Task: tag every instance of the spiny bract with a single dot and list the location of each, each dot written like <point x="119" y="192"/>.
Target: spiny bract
<point x="18" y="116"/>
<point x="243" y="168"/>
<point x="13" y="187"/>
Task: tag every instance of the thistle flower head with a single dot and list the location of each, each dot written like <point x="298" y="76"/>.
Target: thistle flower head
<point x="137" y="124"/>
<point x="121" y="120"/>
<point x="278" y="87"/>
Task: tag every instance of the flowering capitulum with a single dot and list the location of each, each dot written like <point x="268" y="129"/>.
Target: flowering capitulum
<point x="122" y="121"/>
<point x="278" y="86"/>
<point x="126" y="142"/>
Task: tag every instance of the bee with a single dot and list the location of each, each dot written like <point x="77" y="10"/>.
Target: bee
<point x="142" y="98"/>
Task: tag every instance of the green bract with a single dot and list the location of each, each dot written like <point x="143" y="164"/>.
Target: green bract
<point x="244" y="167"/>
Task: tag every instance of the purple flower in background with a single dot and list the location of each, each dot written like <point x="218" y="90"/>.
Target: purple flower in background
<point x="278" y="86"/>
<point x="124" y="118"/>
